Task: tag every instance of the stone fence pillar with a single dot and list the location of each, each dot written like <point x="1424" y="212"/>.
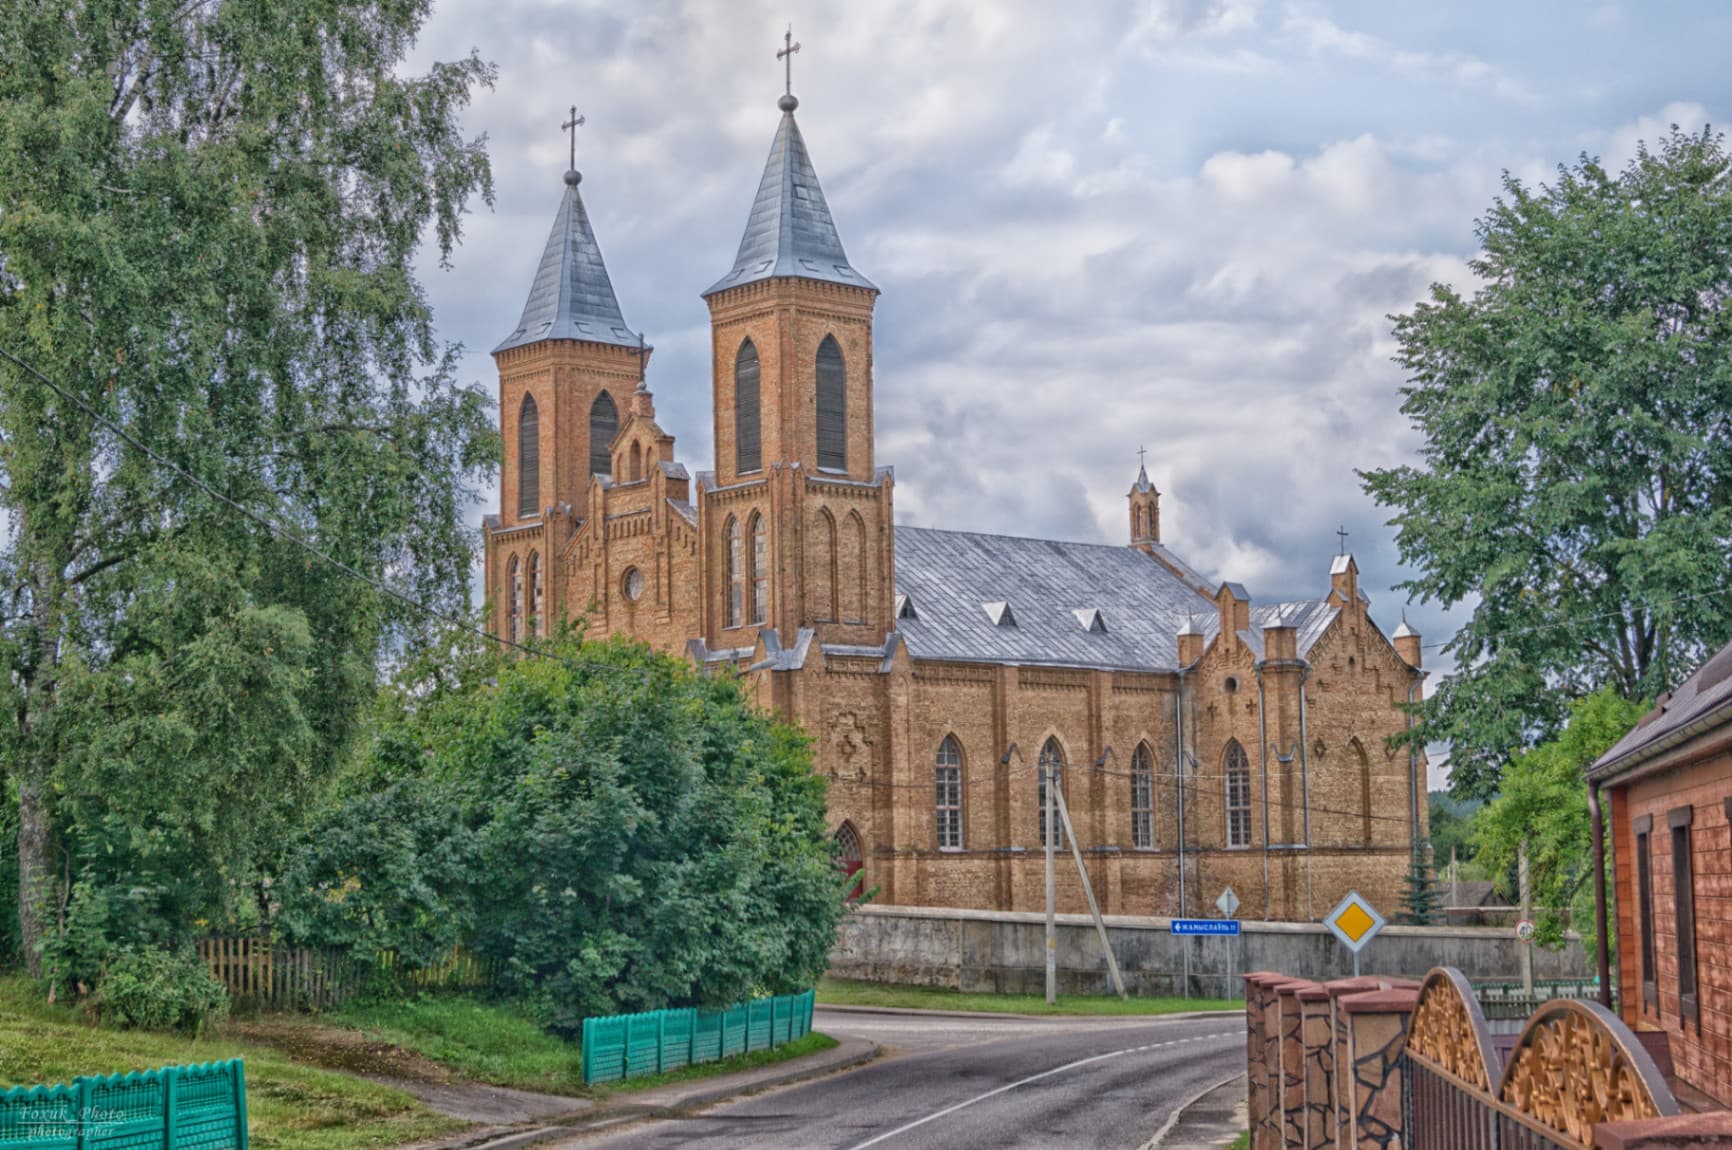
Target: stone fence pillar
<point x="1376" y="1024"/>
<point x="1293" y="1092"/>
<point x="1259" y="1008"/>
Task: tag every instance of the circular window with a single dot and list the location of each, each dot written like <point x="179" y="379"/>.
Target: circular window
<point x="632" y="584"/>
<point x="1231" y="685"/>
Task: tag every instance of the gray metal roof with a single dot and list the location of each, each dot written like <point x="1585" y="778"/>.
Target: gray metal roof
<point x="950" y="576"/>
<point x="1703" y="700"/>
<point x="789" y="231"/>
<point x="572" y="297"/>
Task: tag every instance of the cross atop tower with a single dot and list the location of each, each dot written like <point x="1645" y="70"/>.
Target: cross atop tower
<point x="786" y="55"/>
<point x="571" y="126"/>
<point x="1341" y="533"/>
<point x="1142" y="453"/>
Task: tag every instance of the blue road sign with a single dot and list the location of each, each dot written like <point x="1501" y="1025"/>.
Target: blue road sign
<point x="1205" y="926"/>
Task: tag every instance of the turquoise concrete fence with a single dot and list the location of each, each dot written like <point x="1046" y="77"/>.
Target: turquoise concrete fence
<point x="629" y="1045"/>
<point x="200" y="1107"/>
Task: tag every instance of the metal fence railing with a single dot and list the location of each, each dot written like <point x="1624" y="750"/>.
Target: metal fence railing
<point x="655" y="1042"/>
<point x="202" y="1107"/>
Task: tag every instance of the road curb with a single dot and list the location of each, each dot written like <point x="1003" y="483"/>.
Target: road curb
<point x="1160" y="1136"/>
<point x="1179" y="1016"/>
<point x="608" y="1114"/>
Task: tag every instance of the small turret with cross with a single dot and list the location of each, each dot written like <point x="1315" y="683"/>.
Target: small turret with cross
<point x="1145" y="507"/>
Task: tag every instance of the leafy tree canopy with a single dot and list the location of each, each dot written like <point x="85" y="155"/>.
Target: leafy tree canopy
<point x="1543" y="802"/>
<point x="633" y="835"/>
<point x="209" y="217"/>
<point x="1576" y="482"/>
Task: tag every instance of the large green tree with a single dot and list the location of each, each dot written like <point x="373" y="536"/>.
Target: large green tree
<point x="1576" y="478"/>
<point x="617" y="830"/>
<point x="210" y="212"/>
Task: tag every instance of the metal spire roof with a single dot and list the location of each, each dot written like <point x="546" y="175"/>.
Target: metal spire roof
<point x="790" y="232"/>
<point x="572" y="297"/>
<point x="1143" y="483"/>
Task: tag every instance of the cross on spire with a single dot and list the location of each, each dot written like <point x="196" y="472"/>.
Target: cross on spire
<point x="1142" y="453"/>
<point x="1341" y="533"/>
<point x="571" y="126"/>
<point x="786" y="55"/>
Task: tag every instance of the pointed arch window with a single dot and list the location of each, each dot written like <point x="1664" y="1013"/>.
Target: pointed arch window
<point x="850" y="859"/>
<point x="821" y="583"/>
<point x="760" y="557"/>
<point x="603" y="426"/>
<point x="832" y="407"/>
<point x="1142" y="798"/>
<point x="514" y="601"/>
<point x="536" y="624"/>
<point x="748" y="418"/>
<point x="528" y="459"/>
<point x="733" y="556"/>
<point x="949" y="798"/>
<point x="1238" y="771"/>
<point x="635" y="469"/>
<point x="1051" y="768"/>
<point x="1356" y="752"/>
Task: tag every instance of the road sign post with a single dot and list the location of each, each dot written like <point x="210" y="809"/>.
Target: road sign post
<point x="1227" y="904"/>
<point x="1355" y="922"/>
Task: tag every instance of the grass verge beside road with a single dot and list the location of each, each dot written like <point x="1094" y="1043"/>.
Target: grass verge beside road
<point x="480" y="1041"/>
<point x="809" y="1044"/>
<point x="844" y="992"/>
<point x="289" y="1106"/>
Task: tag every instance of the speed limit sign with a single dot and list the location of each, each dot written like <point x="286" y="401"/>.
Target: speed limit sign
<point x="1525" y="930"/>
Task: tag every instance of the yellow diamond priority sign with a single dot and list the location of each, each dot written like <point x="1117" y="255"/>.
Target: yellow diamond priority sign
<point x="1355" y="922"/>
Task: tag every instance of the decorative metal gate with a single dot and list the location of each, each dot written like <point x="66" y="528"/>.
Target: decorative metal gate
<point x="1574" y="1065"/>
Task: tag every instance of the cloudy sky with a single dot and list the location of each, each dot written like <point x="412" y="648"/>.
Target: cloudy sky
<point x="1179" y="224"/>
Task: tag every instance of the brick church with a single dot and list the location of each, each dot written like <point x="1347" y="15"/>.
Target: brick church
<point x="1201" y="740"/>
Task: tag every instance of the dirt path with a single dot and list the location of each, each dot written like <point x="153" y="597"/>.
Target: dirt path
<point x="352" y="1052"/>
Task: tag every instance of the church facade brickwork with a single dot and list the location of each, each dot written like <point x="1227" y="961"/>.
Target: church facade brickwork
<point x="1201" y="740"/>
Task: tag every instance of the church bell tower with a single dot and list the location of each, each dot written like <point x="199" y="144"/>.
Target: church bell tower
<point x="798" y="515"/>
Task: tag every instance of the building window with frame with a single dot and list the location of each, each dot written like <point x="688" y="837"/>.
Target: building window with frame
<point x="733" y="556"/>
<point x="603" y="426"/>
<point x="1684" y="904"/>
<point x="514" y="601"/>
<point x="528" y="460"/>
<point x="536" y="626"/>
<point x="1238" y="771"/>
<point x="1051" y="768"/>
<point x="1142" y="798"/>
<point x="760" y="556"/>
<point x="748" y="418"/>
<point x="949" y="799"/>
<point x="1645" y="910"/>
<point x="832" y="407"/>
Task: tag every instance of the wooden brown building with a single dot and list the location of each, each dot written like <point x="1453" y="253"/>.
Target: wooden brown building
<point x="1669" y="784"/>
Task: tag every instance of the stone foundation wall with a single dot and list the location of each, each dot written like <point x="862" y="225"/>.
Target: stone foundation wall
<point x="1004" y="952"/>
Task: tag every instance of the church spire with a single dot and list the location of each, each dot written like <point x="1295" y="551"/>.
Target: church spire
<point x="790" y="233"/>
<point x="572" y="296"/>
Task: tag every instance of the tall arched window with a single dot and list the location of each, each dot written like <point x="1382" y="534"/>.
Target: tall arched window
<point x="949" y="800"/>
<point x="821" y="567"/>
<point x="851" y="569"/>
<point x="537" y="624"/>
<point x="1051" y="767"/>
<point x="832" y="407"/>
<point x="850" y="859"/>
<point x="528" y="460"/>
<point x="634" y="470"/>
<point x="514" y="601"/>
<point x="603" y="426"/>
<point x="1238" y="770"/>
<point x="1356" y="752"/>
<point x="748" y="420"/>
<point x="1142" y="798"/>
<point x="733" y="555"/>
<point x="760" y="556"/>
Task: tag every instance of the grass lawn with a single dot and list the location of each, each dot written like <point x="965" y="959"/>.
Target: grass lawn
<point x="289" y="1106"/>
<point x="485" y="1042"/>
<point x="843" y="992"/>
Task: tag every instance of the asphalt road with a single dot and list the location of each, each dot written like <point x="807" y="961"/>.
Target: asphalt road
<point x="973" y="1082"/>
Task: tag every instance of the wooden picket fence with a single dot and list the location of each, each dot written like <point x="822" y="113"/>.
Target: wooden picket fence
<point x="263" y="973"/>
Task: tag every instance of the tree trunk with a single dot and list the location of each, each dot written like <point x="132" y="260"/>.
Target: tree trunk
<point x="37" y="885"/>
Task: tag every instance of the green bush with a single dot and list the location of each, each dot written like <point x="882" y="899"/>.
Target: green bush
<point x="151" y="989"/>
